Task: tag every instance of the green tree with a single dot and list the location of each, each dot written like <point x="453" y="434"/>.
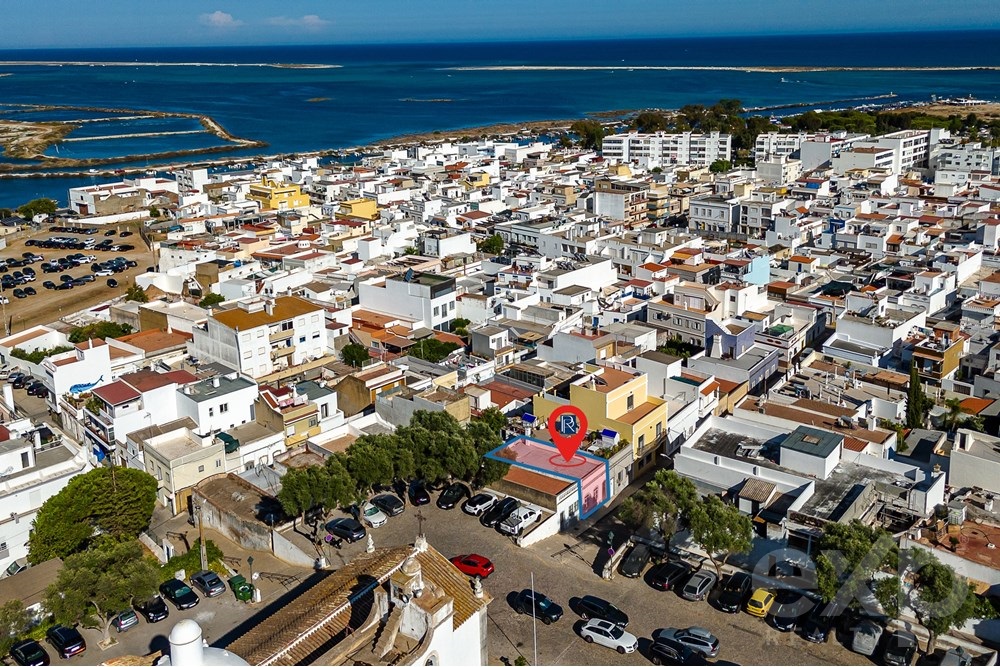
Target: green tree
<point x="355" y="355"/>
<point x="954" y="416"/>
<point x="14" y="622"/>
<point x="493" y="418"/>
<point x="848" y="554"/>
<point x="667" y="497"/>
<point x="887" y="592"/>
<point x="650" y="121"/>
<point x="720" y="528"/>
<point x="96" y="584"/>
<point x="99" y="330"/>
<point x="369" y="461"/>
<point x="590" y="132"/>
<point x="136" y="293"/>
<point x="460" y="326"/>
<point x="918" y="404"/>
<point x="432" y="350"/>
<point x="36" y="206"/>
<point x="943" y="599"/>
<point x="112" y="501"/>
<point x="36" y="356"/>
<point x="410" y="250"/>
<point x="720" y="166"/>
<point x="492" y="244"/>
<point x="211" y="299"/>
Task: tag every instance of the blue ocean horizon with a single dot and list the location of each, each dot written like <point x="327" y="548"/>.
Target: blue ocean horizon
<point x="368" y="93"/>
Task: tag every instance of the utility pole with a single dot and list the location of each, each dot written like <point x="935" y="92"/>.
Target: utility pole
<point x="534" y="621"/>
<point x="201" y="537"/>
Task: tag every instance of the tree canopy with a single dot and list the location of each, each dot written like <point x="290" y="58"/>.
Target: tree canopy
<point x="667" y="498"/>
<point x="492" y="244"/>
<point x="96" y="584"/>
<point x="117" y="502"/>
<point x="136" y="293"/>
<point x="591" y="133"/>
<point x="36" y="356"/>
<point x="355" y="355"/>
<point x="720" y="166"/>
<point x="99" y="330"/>
<point x="848" y="555"/>
<point x="720" y="528"/>
<point x="32" y="208"/>
<point x="432" y="349"/>
<point x="918" y="404"/>
<point x="211" y="299"/>
<point x="14" y="622"/>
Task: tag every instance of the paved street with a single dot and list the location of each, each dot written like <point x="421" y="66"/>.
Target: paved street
<point x="563" y="575"/>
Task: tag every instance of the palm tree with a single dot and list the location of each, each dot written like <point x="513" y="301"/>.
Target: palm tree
<point x="954" y="416"/>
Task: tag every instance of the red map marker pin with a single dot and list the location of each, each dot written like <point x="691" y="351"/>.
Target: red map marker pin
<point x="568" y="428"/>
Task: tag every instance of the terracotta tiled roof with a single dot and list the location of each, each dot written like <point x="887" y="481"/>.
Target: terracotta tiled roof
<point x="535" y="480"/>
<point x="117" y="393"/>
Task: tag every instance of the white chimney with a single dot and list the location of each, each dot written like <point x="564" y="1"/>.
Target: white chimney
<point x="269" y="307"/>
<point x="8" y="397"/>
<point x="185" y="644"/>
<point x="215" y="382"/>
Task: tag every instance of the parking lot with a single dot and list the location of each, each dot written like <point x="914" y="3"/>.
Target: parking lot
<point x="563" y="574"/>
<point x="48" y="305"/>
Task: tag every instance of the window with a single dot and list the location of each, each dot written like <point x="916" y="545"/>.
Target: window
<point x="201" y="468"/>
<point x="642" y="441"/>
<point x="659" y="429"/>
<point x="260" y="333"/>
<point x="286" y="326"/>
<point x="3" y="550"/>
<point x="315" y="317"/>
<point x="218" y="463"/>
<point x="247" y="353"/>
<point x="245" y="338"/>
<point x="211" y="412"/>
<point x="313" y="421"/>
<point x="224" y="408"/>
<point x="630" y="402"/>
<point x="437" y="311"/>
<point x="315" y="335"/>
<point x="25" y="459"/>
<point x="324" y="411"/>
<point x="451" y="305"/>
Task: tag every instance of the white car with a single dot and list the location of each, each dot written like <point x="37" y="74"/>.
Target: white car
<point x="104" y="272"/>
<point x="606" y="633"/>
<point x="4" y="300"/>
<point x="520" y="519"/>
<point x="373" y="516"/>
<point x="479" y="503"/>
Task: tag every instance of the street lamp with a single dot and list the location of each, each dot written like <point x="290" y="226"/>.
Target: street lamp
<point x="201" y="538"/>
<point x="250" y="563"/>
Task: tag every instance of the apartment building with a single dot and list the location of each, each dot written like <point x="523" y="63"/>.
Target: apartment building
<point x="621" y="199"/>
<point x="428" y="298"/>
<point x="662" y="148"/>
<point x="261" y="336"/>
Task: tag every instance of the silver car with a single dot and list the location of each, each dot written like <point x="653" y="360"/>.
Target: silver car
<point x="699" y="585"/>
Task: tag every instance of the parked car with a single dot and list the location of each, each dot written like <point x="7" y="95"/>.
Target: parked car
<point x="519" y="520"/>
<point x="499" y="512"/>
<point x="735" y="592"/>
<point x="667" y="576"/>
<point x="538" y="605"/>
<point x="956" y="656"/>
<point x="606" y="633"/>
<point x="19" y="294"/>
<point x="452" y="495"/>
<point x="19" y="565"/>
<point x="479" y="503"/>
<point x="789" y="608"/>
<point x="635" y="561"/>
<point x="900" y="648"/>
<point x="663" y="652"/>
<point x="820" y="621"/>
<point x="760" y="602"/>
<point x="103" y="272"/>
<point x="179" y="594"/>
<point x="124" y="620"/>
<point x="372" y="515"/>
<point x="66" y="641"/>
<point x="389" y="504"/>
<point x="699" y="585"/>
<point x="698" y="639"/>
<point x="112" y="282"/>
<point x="417" y="492"/>
<point x="110" y="232"/>
<point x="346" y="528"/>
<point x="590" y="606"/>
<point x="48" y="284"/>
<point x="866" y="636"/>
<point x="209" y="583"/>
<point x="28" y="652"/>
<point x="473" y="565"/>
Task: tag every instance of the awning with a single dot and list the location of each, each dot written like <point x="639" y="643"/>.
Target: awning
<point x="231" y="443"/>
<point x="528" y="418"/>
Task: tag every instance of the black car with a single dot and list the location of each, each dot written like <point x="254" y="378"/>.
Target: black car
<point x="179" y="593"/>
<point x="209" y="583"/>
<point x="346" y="528"/>
<point x="110" y="232"/>
<point x="153" y="610"/>
<point x="535" y="604"/>
<point x="499" y="512"/>
<point x="820" y="621"/>
<point x="788" y="609"/>
<point x="670" y="652"/>
<point x="899" y="648"/>
<point x="112" y="282"/>
<point x="36" y="388"/>
<point x="667" y="576"/>
<point x="29" y="652"/>
<point x="735" y="592"/>
<point x="19" y="294"/>
<point x="417" y="493"/>
<point x="452" y="495"/>
<point x="636" y="560"/>
<point x="389" y="504"/>
<point x="66" y="641"/>
<point x="590" y="606"/>
<point x="48" y="284"/>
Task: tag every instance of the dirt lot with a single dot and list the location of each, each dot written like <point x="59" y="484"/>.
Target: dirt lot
<point x="50" y="305"/>
<point x="984" y="111"/>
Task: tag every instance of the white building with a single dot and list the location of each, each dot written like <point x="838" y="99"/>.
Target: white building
<point x="218" y="403"/>
<point x="259" y="337"/>
<point x="688" y="148"/>
<point x="425" y="297"/>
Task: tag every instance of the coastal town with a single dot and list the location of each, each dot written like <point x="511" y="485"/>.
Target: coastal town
<point x="313" y="411"/>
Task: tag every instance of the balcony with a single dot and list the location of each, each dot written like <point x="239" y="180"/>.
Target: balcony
<point x="277" y="353"/>
<point x="278" y="335"/>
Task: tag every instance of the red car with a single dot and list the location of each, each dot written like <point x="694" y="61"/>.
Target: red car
<point x="473" y="565"/>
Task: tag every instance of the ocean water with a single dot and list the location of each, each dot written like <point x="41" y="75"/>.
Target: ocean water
<point x="363" y="94"/>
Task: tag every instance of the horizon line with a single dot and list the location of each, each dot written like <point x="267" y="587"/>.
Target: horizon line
<point x="518" y="40"/>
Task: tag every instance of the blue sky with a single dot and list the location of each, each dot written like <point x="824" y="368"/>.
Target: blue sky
<point x="71" y="23"/>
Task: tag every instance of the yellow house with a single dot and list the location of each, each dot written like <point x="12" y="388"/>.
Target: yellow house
<point x="362" y="208"/>
<point x="479" y="179"/>
<point x="275" y="196"/>
<point x="616" y="400"/>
